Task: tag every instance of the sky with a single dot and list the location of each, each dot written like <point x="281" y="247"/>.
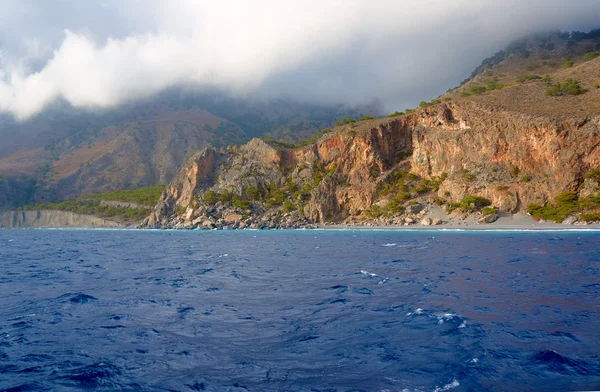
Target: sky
<point x="101" y="53"/>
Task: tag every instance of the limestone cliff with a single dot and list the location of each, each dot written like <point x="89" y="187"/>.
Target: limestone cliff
<point x="54" y="219"/>
<point x="439" y="154"/>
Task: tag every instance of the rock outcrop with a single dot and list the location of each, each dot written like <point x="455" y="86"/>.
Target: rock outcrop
<point x="54" y="219"/>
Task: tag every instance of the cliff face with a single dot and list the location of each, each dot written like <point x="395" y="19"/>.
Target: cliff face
<point x="441" y="153"/>
<point x="513" y="159"/>
<point x="25" y="219"/>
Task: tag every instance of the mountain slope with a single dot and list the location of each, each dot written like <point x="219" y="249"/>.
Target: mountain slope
<point x="508" y="147"/>
<point x="69" y="152"/>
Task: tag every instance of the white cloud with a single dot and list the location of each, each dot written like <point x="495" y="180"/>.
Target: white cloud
<point x="109" y="52"/>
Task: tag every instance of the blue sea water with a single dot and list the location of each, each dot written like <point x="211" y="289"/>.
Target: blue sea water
<point x="110" y="310"/>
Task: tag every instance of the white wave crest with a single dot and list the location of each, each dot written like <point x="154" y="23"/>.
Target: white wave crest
<point x="447" y="387"/>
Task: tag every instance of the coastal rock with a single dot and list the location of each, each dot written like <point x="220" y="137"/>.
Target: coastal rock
<point x="232" y="218"/>
<point x="489" y="218"/>
<point x="436" y="222"/>
<point x="570" y="220"/>
<point x="426" y="222"/>
<point x="414" y="208"/>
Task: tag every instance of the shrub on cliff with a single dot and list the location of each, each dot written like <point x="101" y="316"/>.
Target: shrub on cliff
<point x="591" y="55"/>
<point x="472" y="203"/>
<point x="564" y="205"/>
<point x="211" y="197"/>
<point x="489" y="211"/>
<point x="527" y="78"/>
<point x="253" y="193"/>
<point x="147" y="196"/>
<point x="547" y="80"/>
<point x="593" y="174"/>
<point x="225" y="197"/>
<point x="347" y="121"/>
<point x="240" y="203"/>
<point x="288" y="206"/>
<point x="568" y="87"/>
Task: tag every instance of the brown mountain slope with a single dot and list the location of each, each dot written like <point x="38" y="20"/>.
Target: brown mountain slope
<point x="73" y="153"/>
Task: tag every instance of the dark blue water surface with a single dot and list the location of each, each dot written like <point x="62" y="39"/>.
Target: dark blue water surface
<point x="299" y="311"/>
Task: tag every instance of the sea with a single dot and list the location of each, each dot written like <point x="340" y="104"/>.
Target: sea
<point x="303" y="310"/>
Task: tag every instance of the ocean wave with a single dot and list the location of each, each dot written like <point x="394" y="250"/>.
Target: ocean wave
<point x="451" y="385"/>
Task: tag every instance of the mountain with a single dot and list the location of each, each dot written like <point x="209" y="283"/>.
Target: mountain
<point x="521" y="135"/>
<point x="67" y="152"/>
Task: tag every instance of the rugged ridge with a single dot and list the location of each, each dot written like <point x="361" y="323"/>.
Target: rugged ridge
<point x="455" y="150"/>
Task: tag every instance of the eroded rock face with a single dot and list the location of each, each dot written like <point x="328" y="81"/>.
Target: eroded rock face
<point x="512" y="159"/>
<point x="515" y="159"/>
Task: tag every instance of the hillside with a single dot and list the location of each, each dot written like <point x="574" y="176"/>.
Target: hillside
<point x="67" y="152"/>
<point x="521" y="135"/>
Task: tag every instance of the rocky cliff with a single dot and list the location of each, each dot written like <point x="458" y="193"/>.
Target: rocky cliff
<point x="387" y="170"/>
<point x="25" y="219"/>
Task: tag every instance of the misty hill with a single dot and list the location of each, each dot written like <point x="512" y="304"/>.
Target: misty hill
<point x="65" y="152"/>
<point x="521" y="135"/>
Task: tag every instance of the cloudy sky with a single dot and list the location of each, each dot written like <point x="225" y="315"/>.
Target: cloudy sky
<point x="99" y="53"/>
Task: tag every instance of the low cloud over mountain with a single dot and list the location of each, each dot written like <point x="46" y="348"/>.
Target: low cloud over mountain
<point x="101" y="53"/>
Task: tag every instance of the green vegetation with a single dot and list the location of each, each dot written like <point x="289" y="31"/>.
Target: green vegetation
<point x="593" y="174"/>
<point x="253" y="193"/>
<point x="591" y="217"/>
<point x="547" y="80"/>
<point x="470" y="203"/>
<point x="274" y="195"/>
<point x="211" y="197"/>
<point x="568" y="203"/>
<point x="473" y="90"/>
<point x="277" y="143"/>
<point x="564" y="205"/>
<point x="91" y="204"/>
<point x="288" y="206"/>
<point x="514" y="171"/>
<point x="527" y="78"/>
<point x="533" y="66"/>
<point x="366" y="118"/>
<point x="400" y="185"/>
<point x="240" y="203"/>
<point x="466" y="175"/>
<point x="489" y="211"/>
<point x="568" y="87"/>
<point x="569" y="63"/>
<point x="493" y="84"/>
<point x="225" y="197"/>
<point x="396" y="114"/>
<point x="424" y="104"/>
<point x="591" y="55"/>
<point x="347" y="121"/>
<point x="147" y="196"/>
